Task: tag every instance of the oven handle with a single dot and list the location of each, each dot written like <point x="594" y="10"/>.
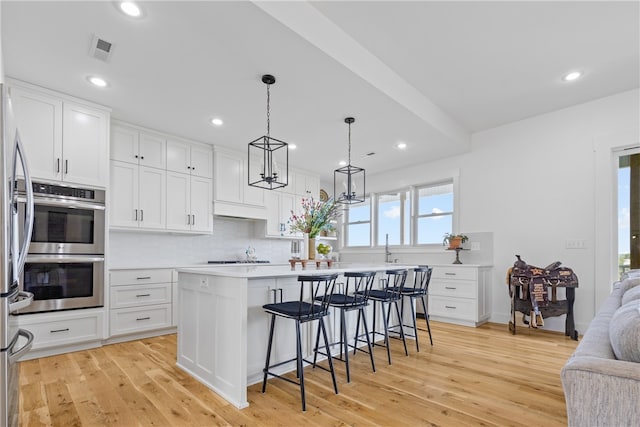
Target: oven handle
<point x="72" y="204"/>
<point x="63" y="259"/>
<point x="15" y="355"/>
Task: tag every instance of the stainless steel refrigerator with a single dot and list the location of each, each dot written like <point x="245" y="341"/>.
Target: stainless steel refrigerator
<point x="14" y="342"/>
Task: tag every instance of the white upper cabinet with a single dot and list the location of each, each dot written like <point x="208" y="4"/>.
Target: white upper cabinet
<point x="306" y="185"/>
<point x="232" y="194"/>
<point x="186" y="157"/>
<point x="64" y="140"/>
<point x="134" y="146"/>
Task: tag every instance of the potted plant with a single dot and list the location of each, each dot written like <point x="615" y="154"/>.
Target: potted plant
<point x="454" y="240"/>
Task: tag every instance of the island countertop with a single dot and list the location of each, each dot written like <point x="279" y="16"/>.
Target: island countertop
<point x="262" y="271"/>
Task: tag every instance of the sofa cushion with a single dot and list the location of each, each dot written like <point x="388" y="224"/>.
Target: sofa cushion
<point x="629" y="283"/>
<point x="624" y="332"/>
<point x="631" y="295"/>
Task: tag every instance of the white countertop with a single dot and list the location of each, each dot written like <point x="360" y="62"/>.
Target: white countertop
<point x="259" y="271"/>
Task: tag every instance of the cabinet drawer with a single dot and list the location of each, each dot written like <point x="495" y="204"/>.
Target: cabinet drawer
<point x="457" y="308"/>
<point x="135" y="319"/>
<point x="453" y="288"/>
<point x="134" y="277"/>
<point x="455" y="273"/>
<point x="139" y="295"/>
<point x="51" y="331"/>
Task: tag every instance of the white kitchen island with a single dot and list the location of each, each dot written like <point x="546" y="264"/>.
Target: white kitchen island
<point x="223" y="330"/>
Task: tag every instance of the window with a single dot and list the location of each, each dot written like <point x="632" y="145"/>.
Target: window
<point x="358" y="224"/>
<point x="434" y="213"/>
<point x="628" y="212"/>
<point x="415" y="216"/>
<point x="394" y="218"/>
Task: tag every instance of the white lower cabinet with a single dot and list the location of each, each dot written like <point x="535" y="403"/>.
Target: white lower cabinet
<point x="459" y="294"/>
<point x="140" y="300"/>
<point x="79" y="328"/>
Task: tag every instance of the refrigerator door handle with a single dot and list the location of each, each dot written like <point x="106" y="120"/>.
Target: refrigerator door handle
<point x="20" y="253"/>
<point x="23" y="299"/>
<point x="15" y="355"/>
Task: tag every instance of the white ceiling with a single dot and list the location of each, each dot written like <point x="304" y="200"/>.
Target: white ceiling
<point x="427" y="73"/>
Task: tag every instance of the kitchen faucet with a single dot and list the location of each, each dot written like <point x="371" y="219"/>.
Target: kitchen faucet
<point x="387" y="254"/>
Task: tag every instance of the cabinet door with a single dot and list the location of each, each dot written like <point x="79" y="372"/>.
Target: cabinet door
<point x="123" y="208"/>
<point x="286" y="206"/>
<point x="201" y="161"/>
<point x="272" y="204"/>
<point x="201" y="204"/>
<point x="259" y="293"/>
<point x="153" y="150"/>
<point x="252" y="195"/>
<point x="85" y="151"/>
<point x="228" y="177"/>
<point x="152" y="197"/>
<point x="178" y="156"/>
<point x="178" y="201"/>
<point x="313" y="187"/>
<point x="39" y="121"/>
<point x="124" y="144"/>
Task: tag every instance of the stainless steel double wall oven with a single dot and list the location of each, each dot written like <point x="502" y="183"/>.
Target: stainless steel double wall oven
<point x="65" y="265"/>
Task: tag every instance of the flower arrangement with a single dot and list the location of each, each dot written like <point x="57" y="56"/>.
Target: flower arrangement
<point x="314" y="217"/>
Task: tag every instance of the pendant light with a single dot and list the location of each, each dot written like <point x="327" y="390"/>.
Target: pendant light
<point x="268" y="161"/>
<point x="349" y="180"/>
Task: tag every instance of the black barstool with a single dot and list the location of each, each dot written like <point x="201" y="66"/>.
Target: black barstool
<point x="353" y="296"/>
<point x="389" y="295"/>
<point x="420" y="290"/>
<point x="313" y="304"/>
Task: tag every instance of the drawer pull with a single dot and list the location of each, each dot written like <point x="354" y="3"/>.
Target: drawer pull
<point x="143" y="318"/>
<point x="450" y="287"/>
<point x="143" y="295"/>
<point x="450" y="306"/>
<point x="450" y="274"/>
<point x="59" y="330"/>
<point x="143" y="278"/>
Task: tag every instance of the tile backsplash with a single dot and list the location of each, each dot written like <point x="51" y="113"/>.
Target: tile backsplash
<point x="230" y="239"/>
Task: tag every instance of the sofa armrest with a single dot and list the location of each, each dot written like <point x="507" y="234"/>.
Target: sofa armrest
<point x="601" y="392"/>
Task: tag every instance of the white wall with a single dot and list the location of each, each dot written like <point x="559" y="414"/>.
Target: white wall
<point x="532" y="184"/>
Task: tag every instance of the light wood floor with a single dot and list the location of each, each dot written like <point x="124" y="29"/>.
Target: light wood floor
<point x="482" y="376"/>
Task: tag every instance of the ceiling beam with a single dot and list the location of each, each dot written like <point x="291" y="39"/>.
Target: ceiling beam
<point x="307" y="21"/>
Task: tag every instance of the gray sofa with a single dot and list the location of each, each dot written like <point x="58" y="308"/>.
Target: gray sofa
<point x="600" y="388"/>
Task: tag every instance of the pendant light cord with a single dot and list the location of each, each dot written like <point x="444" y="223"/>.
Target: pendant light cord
<point x="349" y="144"/>
<point x="268" y="112"/>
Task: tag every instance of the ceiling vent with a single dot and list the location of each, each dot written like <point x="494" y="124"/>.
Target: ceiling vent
<point x="100" y="49"/>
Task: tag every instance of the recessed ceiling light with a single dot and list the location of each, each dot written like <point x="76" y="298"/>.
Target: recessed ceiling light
<point x="342" y="163"/>
<point x="572" y="76"/>
<point x="97" y="81"/>
<point x="401" y="145"/>
<point x="130" y="8"/>
<point x="292" y="146"/>
<point x="217" y="122"/>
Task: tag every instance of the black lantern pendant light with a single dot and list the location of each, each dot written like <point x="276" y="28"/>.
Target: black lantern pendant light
<point x="349" y="180"/>
<point x="268" y="162"/>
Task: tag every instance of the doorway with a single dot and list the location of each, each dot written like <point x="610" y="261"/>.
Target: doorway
<point x="628" y="210"/>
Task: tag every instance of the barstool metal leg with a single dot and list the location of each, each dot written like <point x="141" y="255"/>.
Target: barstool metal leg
<point x="343" y="342"/>
<point x="426" y="317"/>
<point x="386" y="332"/>
<point x="266" y="365"/>
<point x="330" y="359"/>
<point x="415" y="326"/>
<point x="299" y="364"/>
<point x="366" y="332"/>
<point x="404" y="341"/>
